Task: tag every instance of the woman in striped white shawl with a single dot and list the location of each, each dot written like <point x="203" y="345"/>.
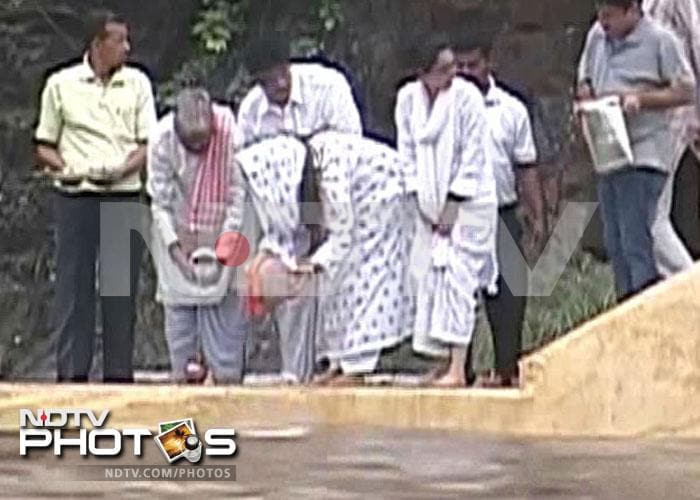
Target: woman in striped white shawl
<point x="441" y="125"/>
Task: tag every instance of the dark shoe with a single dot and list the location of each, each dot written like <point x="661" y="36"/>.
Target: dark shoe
<point x="72" y="380"/>
<point x="118" y="380"/>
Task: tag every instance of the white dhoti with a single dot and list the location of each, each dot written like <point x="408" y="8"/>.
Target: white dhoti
<point x="449" y="274"/>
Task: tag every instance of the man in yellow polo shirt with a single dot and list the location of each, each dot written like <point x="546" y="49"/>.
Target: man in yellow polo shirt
<point x="94" y="120"/>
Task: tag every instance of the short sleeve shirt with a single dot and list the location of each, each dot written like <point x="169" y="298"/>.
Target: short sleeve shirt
<point x="649" y="57"/>
<point x="95" y="124"/>
<point x="511" y="141"/>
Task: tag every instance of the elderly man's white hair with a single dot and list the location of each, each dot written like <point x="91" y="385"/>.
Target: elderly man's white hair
<point x="193" y="114"/>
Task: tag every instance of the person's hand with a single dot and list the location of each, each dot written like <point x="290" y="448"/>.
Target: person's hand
<point x="304" y="268"/>
<point x="301" y="276"/>
<point x="298" y="282"/>
<point x="631" y="104"/>
<point x="584" y="92"/>
<point x="181" y="261"/>
<point x="118" y="173"/>
<point x="53" y="169"/>
<point x="538" y="235"/>
<point x="448" y="218"/>
<point x="443" y="230"/>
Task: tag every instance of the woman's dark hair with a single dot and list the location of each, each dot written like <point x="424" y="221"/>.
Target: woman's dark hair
<point x="422" y="51"/>
<point x="311" y="209"/>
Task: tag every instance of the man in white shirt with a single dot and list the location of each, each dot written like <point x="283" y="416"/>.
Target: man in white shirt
<point x="512" y="151"/>
<point x="682" y="17"/>
<point x="298" y="99"/>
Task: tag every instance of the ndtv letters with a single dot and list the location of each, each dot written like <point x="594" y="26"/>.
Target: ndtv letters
<point x="45" y="429"/>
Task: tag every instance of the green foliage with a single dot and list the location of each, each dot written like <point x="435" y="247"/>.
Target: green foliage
<point x="584" y="291"/>
<point x="218" y="26"/>
<point x="221" y="26"/>
<point x="218" y="23"/>
<point x="325" y="18"/>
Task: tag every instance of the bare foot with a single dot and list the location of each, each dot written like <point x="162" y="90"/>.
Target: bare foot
<point x="486" y="380"/>
<point x="430" y="377"/>
<point x="326" y="377"/>
<point x="449" y="381"/>
<point x="496" y="381"/>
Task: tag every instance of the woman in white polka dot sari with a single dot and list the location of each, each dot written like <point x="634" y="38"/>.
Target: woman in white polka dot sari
<point x="362" y="260"/>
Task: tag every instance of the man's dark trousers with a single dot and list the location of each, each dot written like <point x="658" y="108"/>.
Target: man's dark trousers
<point x="77" y="249"/>
<point x="506" y="311"/>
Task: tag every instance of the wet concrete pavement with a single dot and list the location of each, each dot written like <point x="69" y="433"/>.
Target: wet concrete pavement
<point x="338" y="463"/>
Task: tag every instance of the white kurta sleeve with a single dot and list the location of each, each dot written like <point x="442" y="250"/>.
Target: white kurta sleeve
<point x="585" y="70"/>
<point x="246" y="119"/>
<point x="161" y="183"/>
<point x="693" y="21"/>
<point x="524" y="150"/>
<point x="236" y="199"/>
<point x="404" y="139"/>
<point x="471" y="147"/>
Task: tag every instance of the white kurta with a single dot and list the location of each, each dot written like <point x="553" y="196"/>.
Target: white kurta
<point x="448" y="273"/>
<point x="172" y="170"/>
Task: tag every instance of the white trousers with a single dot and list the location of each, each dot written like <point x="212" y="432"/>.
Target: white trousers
<point x="669" y="251"/>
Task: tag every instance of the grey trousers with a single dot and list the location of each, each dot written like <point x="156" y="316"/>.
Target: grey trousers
<point x="74" y="311"/>
<point x="220" y="331"/>
<point x="670" y="253"/>
<point x="296" y="322"/>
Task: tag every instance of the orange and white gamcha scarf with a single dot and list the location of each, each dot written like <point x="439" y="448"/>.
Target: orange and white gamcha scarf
<point x="207" y="204"/>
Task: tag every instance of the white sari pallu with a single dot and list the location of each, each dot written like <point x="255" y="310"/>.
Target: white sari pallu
<point x="445" y="150"/>
<point x="367" y="305"/>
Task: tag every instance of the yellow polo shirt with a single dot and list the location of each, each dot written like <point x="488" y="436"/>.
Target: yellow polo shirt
<point x="96" y="125"/>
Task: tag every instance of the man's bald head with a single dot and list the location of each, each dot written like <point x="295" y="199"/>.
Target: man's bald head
<point x="194" y="118"/>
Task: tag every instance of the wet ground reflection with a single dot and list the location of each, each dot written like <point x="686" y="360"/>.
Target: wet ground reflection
<point x="337" y="463"/>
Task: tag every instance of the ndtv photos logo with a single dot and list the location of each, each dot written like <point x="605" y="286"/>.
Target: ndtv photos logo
<point x="59" y="429"/>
